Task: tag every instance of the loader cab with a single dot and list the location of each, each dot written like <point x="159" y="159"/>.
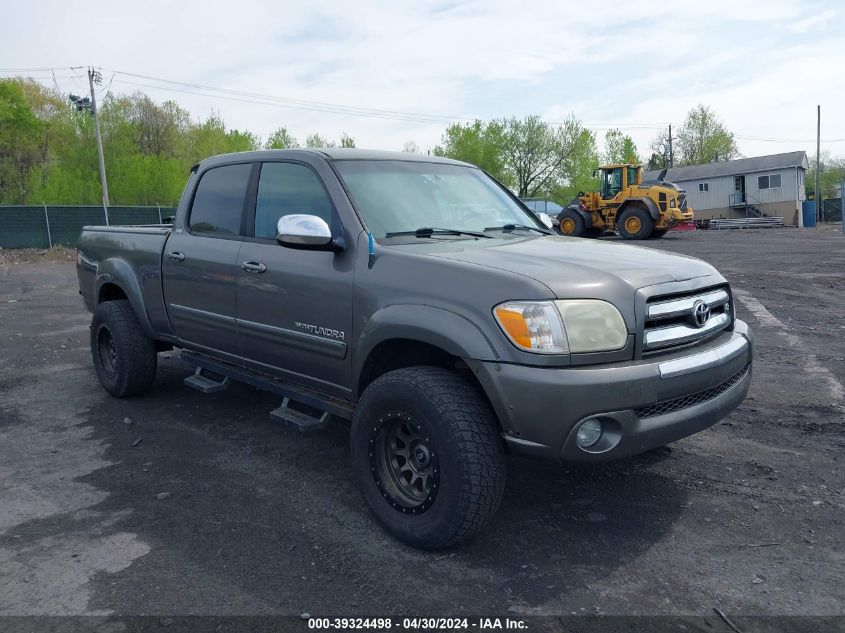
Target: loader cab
<point x="614" y="178"/>
<point x="611" y="181"/>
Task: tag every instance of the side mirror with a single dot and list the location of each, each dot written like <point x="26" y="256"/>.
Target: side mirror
<point x="545" y="219"/>
<point x="303" y="231"/>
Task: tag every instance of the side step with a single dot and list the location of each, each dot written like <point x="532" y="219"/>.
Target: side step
<point x="201" y="381"/>
<point x="299" y="420"/>
<point x="302" y="408"/>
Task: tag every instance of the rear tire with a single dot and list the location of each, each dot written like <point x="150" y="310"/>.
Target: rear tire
<point x="635" y="223"/>
<point x="124" y="357"/>
<point x="428" y="456"/>
<point x="572" y="223"/>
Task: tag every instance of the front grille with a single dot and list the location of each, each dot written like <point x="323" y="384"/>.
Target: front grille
<point x="671" y="320"/>
<point x="676" y="404"/>
<point x="682" y="202"/>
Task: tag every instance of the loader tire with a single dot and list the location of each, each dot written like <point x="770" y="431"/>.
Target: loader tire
<point x="572" y="223"/>
<point x="635" y="223"/>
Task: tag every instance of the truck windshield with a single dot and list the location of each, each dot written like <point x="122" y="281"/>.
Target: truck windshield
<point x="395" y="197"/>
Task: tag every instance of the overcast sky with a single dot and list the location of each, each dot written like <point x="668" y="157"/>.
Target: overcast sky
<point x="636" y="65"/>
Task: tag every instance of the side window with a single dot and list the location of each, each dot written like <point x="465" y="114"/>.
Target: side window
<point x="286" y="188"/>
<point x="219" y="200"/>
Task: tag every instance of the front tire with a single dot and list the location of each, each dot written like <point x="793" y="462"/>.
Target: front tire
<point x="428" y="456"/>
<point x="124" y="357"/>
<point x="635" y="223"/>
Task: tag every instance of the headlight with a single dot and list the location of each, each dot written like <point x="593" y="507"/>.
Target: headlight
<point x="560" y="327"/>
<point x="534" y="327"/>
<point x="592" y="325"/>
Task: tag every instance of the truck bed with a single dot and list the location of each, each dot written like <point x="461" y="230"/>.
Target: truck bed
<point x="128" y="254"/>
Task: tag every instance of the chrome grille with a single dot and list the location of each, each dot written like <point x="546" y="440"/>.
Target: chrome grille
<point x="684" y="402"/>
<point x="670" y="321"/>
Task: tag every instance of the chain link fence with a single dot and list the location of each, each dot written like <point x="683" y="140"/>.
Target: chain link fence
<point x="45" y="226"/>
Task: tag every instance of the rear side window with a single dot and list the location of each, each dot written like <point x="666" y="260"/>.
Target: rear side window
<point x="219" y="200"/>
<point x="286" y="188"/>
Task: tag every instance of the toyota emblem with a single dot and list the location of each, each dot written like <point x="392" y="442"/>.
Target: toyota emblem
<point x="700" y="314"/>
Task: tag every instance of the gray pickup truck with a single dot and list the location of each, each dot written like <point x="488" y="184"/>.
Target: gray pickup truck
<point x="417" y="298"/>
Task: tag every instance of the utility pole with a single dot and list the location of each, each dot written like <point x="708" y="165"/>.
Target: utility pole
<point x="818" y="161"/>
<point x="671" y="154"/>
<point x="92" y="77"/>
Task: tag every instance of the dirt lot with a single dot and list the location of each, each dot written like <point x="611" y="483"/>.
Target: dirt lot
<point x="748" y="516"/>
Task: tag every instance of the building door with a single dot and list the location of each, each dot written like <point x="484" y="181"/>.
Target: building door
<point x="739" y="190"/>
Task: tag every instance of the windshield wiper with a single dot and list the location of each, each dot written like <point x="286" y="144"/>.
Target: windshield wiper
<point x="429" y="231"/>
<point x="513" y="227"/>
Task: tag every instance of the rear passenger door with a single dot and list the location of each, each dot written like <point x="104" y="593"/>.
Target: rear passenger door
<point x="200" y="262"/>
<point x="295" y="310"/>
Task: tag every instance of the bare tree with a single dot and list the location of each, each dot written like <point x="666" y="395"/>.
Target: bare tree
<point x="411" y="147"/>
<point x="536" y="152"/>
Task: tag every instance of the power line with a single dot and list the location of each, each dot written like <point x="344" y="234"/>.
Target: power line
<point x="409" y="117"/>
<point x="786" y="140"/>
<point x="302" y="103"/>
<point x="44" y="69"/>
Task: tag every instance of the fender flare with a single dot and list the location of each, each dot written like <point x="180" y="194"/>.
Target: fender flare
<point x="649" y="204"/>
<point x="441" y="328"/>
<point x="119" y="273"/>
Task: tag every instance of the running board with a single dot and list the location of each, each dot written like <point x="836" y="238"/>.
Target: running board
<point x="324" y="403"/>
<point x="302" y="422"/>
<point x="201" y="382"/>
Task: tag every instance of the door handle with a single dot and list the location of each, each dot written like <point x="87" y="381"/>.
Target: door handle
<point x="176" y="256"/>
<point x="254" y="267"/>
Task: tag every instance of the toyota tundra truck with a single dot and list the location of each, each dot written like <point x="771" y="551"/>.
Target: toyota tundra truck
<point x="418" y="299"/>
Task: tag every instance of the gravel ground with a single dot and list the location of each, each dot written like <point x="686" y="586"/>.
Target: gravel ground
<point x="183" y="503"/>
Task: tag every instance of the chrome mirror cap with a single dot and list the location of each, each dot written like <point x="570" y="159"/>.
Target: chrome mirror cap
<point x="300" y="229"/>
<point x="545" y="219"/>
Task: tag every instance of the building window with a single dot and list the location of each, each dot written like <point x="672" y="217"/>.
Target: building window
<point x="800" y="177"/>
<point x="704" y="186"/>
<point x="771" y="181"/>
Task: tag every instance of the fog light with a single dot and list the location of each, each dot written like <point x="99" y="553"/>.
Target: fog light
<point x="589" y="433"/>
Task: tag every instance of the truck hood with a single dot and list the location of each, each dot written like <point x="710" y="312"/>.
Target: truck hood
<point x="572" y="266"/>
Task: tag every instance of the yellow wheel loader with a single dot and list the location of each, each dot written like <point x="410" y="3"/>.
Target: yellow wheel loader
<point x="635" y="209"/>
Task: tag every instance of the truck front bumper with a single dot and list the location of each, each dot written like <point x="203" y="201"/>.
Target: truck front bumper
<point x="641" y="404"/>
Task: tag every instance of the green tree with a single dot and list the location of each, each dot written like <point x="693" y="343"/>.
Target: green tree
<point x="830" y="176"/>
<point x="281" y="139"/>
<point x="316" y="141"/>
<point x="703" y="138"/>
<point x="346" y="140"/>
<point x="579" y="169"/>
<point x="476" y="143"/>
<point x="619" y="148"/>
<point x="20" y="132"/>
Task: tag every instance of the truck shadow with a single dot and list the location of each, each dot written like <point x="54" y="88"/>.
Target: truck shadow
<point x="277" y="513"/>
<point x="561" y="527"/>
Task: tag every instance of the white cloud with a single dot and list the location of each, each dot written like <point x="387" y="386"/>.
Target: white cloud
<point x="759" y="64"/>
